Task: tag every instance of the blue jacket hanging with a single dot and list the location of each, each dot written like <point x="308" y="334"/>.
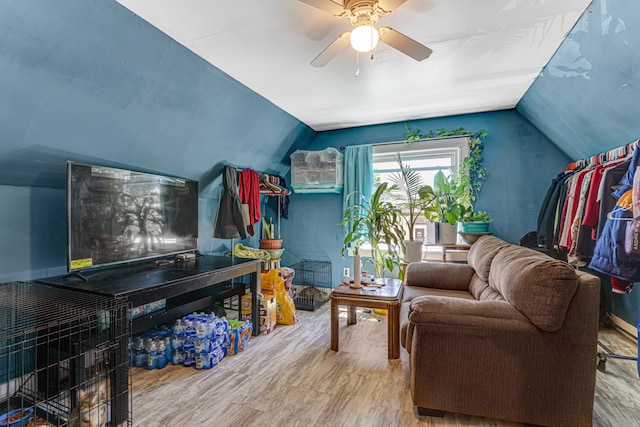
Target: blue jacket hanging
<point x="626" y="182"/>
<point x="616" y="253"/>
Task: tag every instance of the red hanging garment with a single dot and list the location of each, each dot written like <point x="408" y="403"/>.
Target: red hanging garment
<point x="249" y="193"/>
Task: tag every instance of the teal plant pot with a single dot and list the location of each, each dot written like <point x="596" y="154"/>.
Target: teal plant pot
<point x="475" y="227"/>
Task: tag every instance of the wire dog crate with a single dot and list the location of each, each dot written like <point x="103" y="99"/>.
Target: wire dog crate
<point x="63" y="357"/>
<point x="311" y="285"/>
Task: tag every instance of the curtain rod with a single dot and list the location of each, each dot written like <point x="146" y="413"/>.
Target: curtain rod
<point x="404" y="142"/>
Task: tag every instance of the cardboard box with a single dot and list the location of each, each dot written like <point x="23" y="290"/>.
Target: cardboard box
<point x="268" y="311"/>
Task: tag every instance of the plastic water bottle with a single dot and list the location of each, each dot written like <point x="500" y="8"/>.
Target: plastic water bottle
<point x="160" y="360"/>
<point x="189" y="345"/>
<point x="201" y="330"/>
<point x="203" y="361"/>
<point x="217" y="355"/>
<point x="139" y="354"/>
<point x="178" y="328"/>
<point x="190" y="329"/>
<point x="178" y="357"/>
<point x="151" y="356"/>
<point x="202" y="345"/>
<point x="189" y="359"/>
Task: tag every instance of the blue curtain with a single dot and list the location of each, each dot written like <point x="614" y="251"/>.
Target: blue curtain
<point x="358" y="174"/>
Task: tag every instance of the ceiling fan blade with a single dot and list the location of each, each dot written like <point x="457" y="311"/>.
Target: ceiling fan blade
<point x="390" y="5"/>
<point x="328" y="6"/>
<point x="404" y="44"/>
<point x="332" y="50"/>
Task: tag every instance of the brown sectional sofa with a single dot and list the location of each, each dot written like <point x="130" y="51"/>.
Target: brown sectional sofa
<point x="511" y="335"/>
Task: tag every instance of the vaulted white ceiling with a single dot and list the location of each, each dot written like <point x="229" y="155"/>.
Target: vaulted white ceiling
<point x="486" y="54"/>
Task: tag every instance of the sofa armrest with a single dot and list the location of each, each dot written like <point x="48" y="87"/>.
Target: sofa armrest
<point x="442" y="310"/>
<point x="439" y="275"/>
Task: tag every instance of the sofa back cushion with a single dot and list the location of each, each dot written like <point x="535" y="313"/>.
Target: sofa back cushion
<point x="481" y="254"/>
<point x="482" y="291"/>
<point x="539" y="286"/>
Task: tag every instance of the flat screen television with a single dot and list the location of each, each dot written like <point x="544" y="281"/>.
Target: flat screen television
<point x="119" y="216"/>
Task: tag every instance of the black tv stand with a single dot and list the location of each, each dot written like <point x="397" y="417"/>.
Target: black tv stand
<point x="76" y="274"/>
<point x="143" y="285"/>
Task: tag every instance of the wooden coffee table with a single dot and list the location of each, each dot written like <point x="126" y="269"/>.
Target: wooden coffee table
<point x="385" y="297"/>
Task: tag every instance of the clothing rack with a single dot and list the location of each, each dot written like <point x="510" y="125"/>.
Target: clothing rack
<point x="605" y="157"/>
<point x="600" y="159"/>
<point x="560" y="215"/>
<point x="268" y="185"/>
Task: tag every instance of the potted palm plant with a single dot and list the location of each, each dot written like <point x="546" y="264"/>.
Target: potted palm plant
<point x="449" y="205"/>
<point x="407" y="184"/>
<point x="379" y="223"/>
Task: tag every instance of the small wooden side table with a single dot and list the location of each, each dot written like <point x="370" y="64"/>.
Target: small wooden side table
<point x="385" y="297"/>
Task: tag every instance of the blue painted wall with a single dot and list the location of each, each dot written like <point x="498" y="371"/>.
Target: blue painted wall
<point x="90" y="81"/>
<point x="520" y="162"/>
<point x="586" y="98"/>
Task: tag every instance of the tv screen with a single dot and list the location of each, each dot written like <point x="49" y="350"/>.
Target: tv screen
<point x="116" y="216"/>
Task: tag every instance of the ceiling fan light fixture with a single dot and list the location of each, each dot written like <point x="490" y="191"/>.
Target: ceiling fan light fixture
<point x="364" y="38"/>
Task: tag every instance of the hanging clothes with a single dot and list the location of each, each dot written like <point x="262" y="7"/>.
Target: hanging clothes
<point x="610" y="179"/>
<point x="249" y="193"/>
<point x="626" y="183"/>
<point x="614" y="255"/>
<point x="576" y="223"/>
<point x="594" y="210"/>
<point x="547" y="217"/>
<point x="570" y="209"/>
<point x="284" y="200"/>
<point x="610" y="256"/>
<point x="229" y="223"/>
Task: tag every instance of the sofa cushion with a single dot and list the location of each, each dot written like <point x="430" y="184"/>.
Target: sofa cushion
<point x="439" y="275"/>
<point x="481" y="254"/>
<point x="411" y="292"/>
<point x="539" y="286"/>
<point x="482" y="291"/>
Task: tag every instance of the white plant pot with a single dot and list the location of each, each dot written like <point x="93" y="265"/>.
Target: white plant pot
<point x="414" y="250"/>
<point x="448" y="234"/>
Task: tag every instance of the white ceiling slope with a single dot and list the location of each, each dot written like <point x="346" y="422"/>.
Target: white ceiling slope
<point x="486" y="54"/>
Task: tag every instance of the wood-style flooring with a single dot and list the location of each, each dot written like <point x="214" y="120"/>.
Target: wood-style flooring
<point x="292" y="378"/>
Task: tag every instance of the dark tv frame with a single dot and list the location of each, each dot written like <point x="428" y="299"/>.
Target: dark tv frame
<point x="76" y="270"/>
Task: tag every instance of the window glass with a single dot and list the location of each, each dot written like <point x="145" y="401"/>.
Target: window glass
<point x="425" y="157"/>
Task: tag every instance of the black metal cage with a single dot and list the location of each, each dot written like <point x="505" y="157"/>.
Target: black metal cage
<point x="312" y="284"/>
<point x="63" y="356"/>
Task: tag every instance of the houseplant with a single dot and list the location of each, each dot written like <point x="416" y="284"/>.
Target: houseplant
<point x="476" y="221"/>
<point x="472" y="172"/>
<point x="406" y="191"/>
<point x="268" y="240"/>
<point x="450" y="202"/>
<point x="377" y="222"/>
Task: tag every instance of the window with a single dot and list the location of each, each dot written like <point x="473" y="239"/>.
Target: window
<point x="426" y="157"/>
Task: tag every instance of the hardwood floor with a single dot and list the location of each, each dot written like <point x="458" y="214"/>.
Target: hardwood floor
<point x="292" y="378"/>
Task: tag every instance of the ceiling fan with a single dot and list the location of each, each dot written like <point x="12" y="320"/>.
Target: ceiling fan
<point x="363" y="15"/>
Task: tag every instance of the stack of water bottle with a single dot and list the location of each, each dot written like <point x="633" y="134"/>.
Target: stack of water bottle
<point x="199" y="340"/>
<point x="151" y="350"/>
